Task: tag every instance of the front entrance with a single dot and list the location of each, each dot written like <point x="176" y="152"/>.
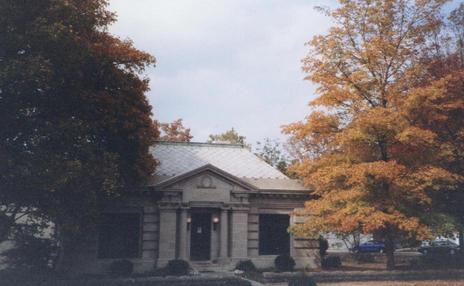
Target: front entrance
<point x="200" y="236"/>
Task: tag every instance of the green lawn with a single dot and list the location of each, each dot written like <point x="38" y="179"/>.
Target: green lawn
<point x="399" y="283"/>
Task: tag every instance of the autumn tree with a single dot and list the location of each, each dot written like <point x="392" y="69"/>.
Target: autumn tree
<point x="231" y="136"/>
<point x="75" y="126"/>
<point x="174" y="131"/>
<point x="440" y="107"/>
<point x="370" y="165"/>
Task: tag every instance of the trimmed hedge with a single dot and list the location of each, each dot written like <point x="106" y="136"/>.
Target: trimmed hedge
<point x="246" y="266"/>
<point x="284" y="263"/>
<point x="121" y="268"/>
<point x="177" y="267"/>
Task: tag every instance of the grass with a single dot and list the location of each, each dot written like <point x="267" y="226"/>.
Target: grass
<point x="404" y="261"/>
<point x="398" y="283"/>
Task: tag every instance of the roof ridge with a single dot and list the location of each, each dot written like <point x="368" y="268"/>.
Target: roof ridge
<point x="200" y="144"/>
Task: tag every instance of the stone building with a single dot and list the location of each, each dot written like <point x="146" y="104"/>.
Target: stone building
<point x="209" y="204"/>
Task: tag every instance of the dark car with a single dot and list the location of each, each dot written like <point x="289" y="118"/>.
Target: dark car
<point x="440" y="247"/>
<point x="370" y="246"/>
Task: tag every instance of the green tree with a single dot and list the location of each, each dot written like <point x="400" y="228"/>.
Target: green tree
<point x="231" y="136"/>
<point x="272" y="152"/>
<point x="75" y="126"/>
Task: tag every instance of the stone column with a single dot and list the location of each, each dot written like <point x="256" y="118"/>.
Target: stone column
<point x="167" y="241"/>
<point x="239" y="234"/>
<point x="150" y="236"/>
<point x="183" y="234"/>
<point x="223" y="248"/>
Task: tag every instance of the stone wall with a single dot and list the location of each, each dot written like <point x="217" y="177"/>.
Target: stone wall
<point x="303" y="250"/>
<point x="87" y="261"/>
<point x="253" y="233"/>
<point x="150" y="237"/>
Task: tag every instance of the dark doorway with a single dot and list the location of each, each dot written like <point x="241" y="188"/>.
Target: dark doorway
<point x="273" y="235"/>
<point x="200" y="236"/>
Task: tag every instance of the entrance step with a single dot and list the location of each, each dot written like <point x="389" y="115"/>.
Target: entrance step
<point x="207" y="266"/>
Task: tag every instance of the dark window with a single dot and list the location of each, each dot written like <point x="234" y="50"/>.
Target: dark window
<point x="119" y="236"/>
<point x="273" y="235"/>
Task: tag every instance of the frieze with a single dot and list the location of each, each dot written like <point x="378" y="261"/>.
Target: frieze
<point x="171" y="196"/>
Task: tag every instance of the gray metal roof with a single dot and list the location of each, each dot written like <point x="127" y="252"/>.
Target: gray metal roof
<point x="176" y="158"/>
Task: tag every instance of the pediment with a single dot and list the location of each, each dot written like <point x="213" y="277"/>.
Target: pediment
<point x="206" y="184"/>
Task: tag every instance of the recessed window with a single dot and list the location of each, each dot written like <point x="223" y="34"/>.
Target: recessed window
<point x="119" y="236"/>
<point x="273" y="235"/>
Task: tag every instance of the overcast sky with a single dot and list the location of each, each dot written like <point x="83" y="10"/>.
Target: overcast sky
<point x="223" y="64"/>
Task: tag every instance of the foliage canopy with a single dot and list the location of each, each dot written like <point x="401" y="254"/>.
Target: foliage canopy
<point x="75" y="124"/>
<point x="230" y="136"/>
<point x="174" y="131"/>
<point x="370" y="162"/>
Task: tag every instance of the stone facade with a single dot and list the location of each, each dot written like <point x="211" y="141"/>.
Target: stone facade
<point x="232" y="207"/>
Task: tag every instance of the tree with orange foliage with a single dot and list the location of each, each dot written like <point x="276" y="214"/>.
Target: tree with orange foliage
<point x="369" y="164"/>
<point x="439" y="106"/>
<point x="174" y="131"/>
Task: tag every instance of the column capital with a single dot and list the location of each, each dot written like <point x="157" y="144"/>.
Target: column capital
<point x="184" y="207"/>
<point x="168" y="207"/>
<point x="240" y="209"/>
<point x="171" y="196"/>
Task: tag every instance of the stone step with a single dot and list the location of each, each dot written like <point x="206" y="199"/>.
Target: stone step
<point x="207" y="266"/>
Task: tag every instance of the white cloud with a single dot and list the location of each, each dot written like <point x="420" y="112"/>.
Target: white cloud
<point x="225" y="64"/>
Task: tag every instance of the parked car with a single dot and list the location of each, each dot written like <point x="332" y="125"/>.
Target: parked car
<point x="370" y="246"/>
<point x="440" y="247"/>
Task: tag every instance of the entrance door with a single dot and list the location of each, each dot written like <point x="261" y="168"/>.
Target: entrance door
<point x="200" y="236"/>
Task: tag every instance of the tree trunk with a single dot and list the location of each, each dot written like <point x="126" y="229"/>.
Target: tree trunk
<point x="58" y="261"/>
<point x="61" y="263"/>
<point x="6" y="225"/>
<point x="389" y="251"/>
<point x="4" y="231"/>
<point x="461" y="242"/>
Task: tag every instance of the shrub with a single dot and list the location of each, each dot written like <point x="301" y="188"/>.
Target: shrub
<point x="331" y="262"/>
<point x="246" y="266"/>
<point x="121" y="268"/>
<point x="30" y="253"/>
<point x="302" y="280"/>
<point x="439" y="261"/>
<point x="284" y="262"/>
<point x="177" y="267"/>
<point x="323" y="246"/>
